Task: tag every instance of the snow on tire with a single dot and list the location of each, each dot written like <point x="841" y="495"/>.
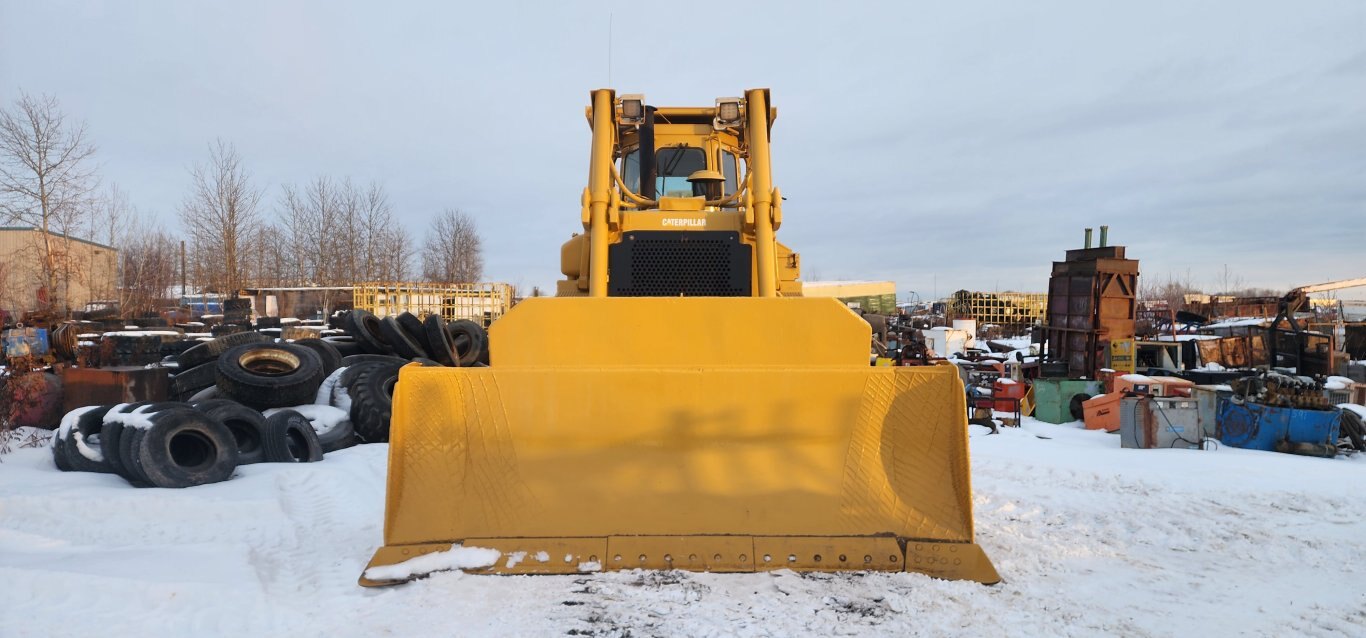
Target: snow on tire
<point x="290" y="438"/>
<point x="85" y="448"/>
<point x="183" y="448"/>
<point x="332" y="425"/>
<point x="76" y="444"/>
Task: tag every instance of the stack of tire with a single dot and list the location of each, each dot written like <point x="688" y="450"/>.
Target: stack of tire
<point x="130" y="348"/>
<point x="460" y="343"/>
<point x="355" y="373"/>
<point x="175" y="444"/>
<point x="364" y="386"/>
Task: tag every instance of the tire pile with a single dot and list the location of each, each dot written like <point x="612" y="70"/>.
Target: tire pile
<point x="175" y="444"/>
<point x="247" y="398"/>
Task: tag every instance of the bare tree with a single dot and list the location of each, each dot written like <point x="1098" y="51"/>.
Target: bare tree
<point x="46" y="181"/>
<point x="1173" y="290"/>
<point x="452" y="252"/>
<point x="149" y="264"/>
<point x="221" y="217"/>
<point x="399" y="256"/>
<point x="113" y="221"/>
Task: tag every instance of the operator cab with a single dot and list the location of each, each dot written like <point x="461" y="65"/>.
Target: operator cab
<point x="683" y="171"/>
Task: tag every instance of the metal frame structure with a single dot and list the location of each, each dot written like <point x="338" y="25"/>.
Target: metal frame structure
<point x="481" y="302"/>
<point x="1005" y="309"/>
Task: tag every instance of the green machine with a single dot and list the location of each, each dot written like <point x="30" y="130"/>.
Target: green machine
<point x="1054" y="398"/>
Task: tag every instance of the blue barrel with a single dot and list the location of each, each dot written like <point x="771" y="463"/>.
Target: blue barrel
<point x="1259" y="427"/>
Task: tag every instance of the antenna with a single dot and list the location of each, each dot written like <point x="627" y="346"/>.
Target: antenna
<point x="609" y="49"/>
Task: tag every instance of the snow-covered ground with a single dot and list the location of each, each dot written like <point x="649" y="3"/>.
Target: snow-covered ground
<point x="1090" y="538"/>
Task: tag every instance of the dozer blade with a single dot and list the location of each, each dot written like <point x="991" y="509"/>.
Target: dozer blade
<point x="708" y="434"/>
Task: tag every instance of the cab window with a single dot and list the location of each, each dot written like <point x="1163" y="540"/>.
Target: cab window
<point x="630" y="170"/>
<point x="674" y="165"/>
<point x="672" y="168"/>
<point x="729" y="171"/>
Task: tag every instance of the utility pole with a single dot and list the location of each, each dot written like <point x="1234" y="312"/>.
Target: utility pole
<point x="182" y="272"/>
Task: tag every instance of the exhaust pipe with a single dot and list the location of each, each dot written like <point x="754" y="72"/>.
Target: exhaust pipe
<point x="648" y="169"/>
<point x="1104" y="233"/>
<point x="1088" y="238"/>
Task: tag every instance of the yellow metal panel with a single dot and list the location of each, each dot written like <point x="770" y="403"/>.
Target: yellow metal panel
<point x="681" y="220"/>
<point x="848" y="288"/>
<point x="682" y="203"/>
<point x="679" y="425"/>
<point x="634" y="332"/>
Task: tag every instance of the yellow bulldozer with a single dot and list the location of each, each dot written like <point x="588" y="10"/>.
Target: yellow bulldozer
<point x="678" y="404"/>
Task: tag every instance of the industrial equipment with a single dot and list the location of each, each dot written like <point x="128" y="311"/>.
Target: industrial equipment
<point x="1061" y="400"/>
<point x="1091" y="302"/>
<point x="1307" y="353"/>
<point x="1148" y="422"/>
<point x="679" y="404"/>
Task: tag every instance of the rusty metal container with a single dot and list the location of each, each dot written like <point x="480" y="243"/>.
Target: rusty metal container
<point x="1092" y="300"/>
<point x="99" y="386"/>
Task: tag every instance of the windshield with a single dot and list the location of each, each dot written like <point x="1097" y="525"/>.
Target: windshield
<point x="672" y="166"/>
<point x="675" y="165"/>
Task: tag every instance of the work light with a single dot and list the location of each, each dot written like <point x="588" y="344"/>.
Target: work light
<point x="727" y="113"/>
<point x="632" y="109"/>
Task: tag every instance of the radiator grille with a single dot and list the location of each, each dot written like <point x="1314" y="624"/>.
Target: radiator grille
<point x="683" y="263"/>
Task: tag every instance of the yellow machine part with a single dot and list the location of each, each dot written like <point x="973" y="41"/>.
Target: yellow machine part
<point x="683" y="433"/>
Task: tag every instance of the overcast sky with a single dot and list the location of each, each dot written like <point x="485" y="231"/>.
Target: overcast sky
<point x="940" y="145"/>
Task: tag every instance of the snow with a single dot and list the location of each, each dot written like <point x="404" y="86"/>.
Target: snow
<point x="1360" y="410"/>
<point x="324" y="396"/>
<point x="142" y="333"/>
<point x="457" y="557"/>
<point x="70" y="418"/>
<point x="1091" y="540"/>
<point x="67" y="428"/>
<point x="1337" y="383"/>
<point x="341" y="398"/>
<point x="1238" y="322"/>
<point x="138" y="418"/>
<point x="322" y="417"/>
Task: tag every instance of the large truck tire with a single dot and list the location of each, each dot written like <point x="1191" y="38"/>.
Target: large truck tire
<point x="183" y="448"/>
<point x="290" y="438"/>
<point x="271" y="375"/>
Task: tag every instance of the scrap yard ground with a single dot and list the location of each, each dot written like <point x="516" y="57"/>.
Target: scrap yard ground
<point x="1091" y="539"/>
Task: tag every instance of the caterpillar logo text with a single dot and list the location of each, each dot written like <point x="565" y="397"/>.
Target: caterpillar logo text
<point x="685" y="222"/>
